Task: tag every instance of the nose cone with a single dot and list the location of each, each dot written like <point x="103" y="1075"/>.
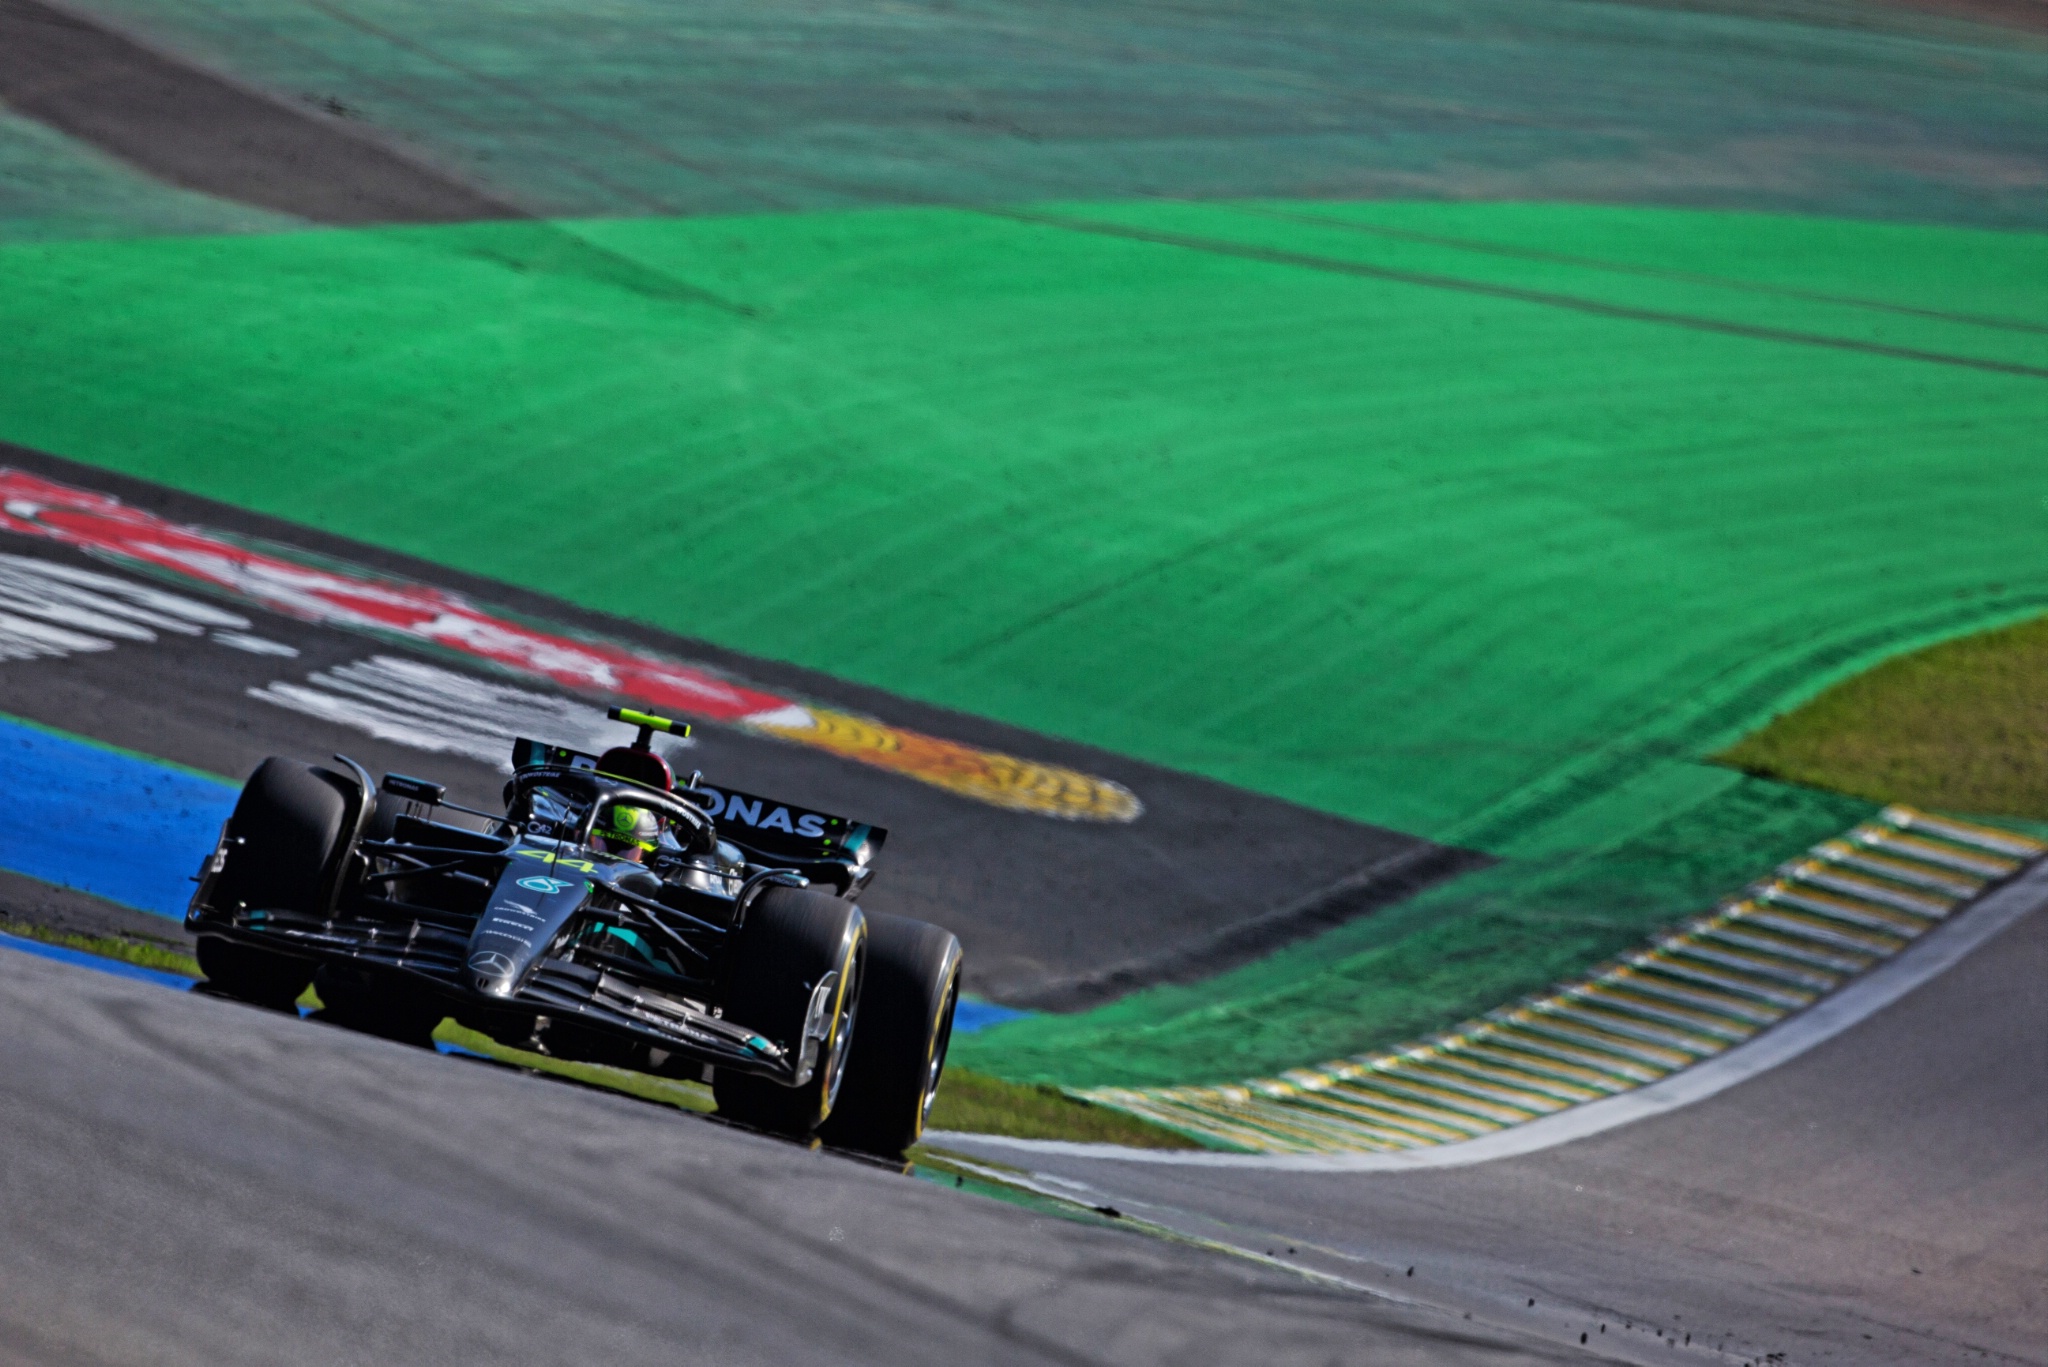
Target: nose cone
<point x="534" y="899"/>
<point x="492" y="973"/>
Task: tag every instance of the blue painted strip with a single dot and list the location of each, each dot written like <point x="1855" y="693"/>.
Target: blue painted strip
<point x="104" y="821"/>
<point x="970" y="1015"/>
<point x="118" y="968"/>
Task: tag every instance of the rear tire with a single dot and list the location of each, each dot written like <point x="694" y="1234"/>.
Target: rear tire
<point x="791" y="939"/>
<point x="899" y="1047"/>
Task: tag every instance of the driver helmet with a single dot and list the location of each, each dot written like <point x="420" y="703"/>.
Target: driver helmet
<point x="626" y="831"/>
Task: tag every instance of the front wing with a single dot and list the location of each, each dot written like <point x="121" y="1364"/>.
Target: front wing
<point x="432" y="957"/>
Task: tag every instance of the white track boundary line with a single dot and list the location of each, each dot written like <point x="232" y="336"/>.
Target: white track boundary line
<point x="1926" y="958"/>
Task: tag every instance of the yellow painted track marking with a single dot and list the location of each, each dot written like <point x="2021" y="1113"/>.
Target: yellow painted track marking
<point x="1822" y="875"/>
<point x="1631" y="1070"/>
<point x="1844" y="909"/>
<point x="1828" y="932"/>
<point x="1561" y="1022"/>
<point x="1751" y="935"/>
<point x="2009" y="843"/>
<point x="1758" y="965"/>
<point x="1900" y="870"/>
<point x="1381" y="1099"/>
<point x="1520" y="1081"/>
<point x="1934" y="852"/>
<point x="1498" y="1050"/>
<point x="1602" y="1003"/>
<point x="1692" y="967"/>
<point x="1721" y="1003"/>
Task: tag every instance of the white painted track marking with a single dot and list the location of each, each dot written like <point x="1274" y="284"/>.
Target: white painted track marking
<point x="49" y="610"/>
<point x="440" y="711"/>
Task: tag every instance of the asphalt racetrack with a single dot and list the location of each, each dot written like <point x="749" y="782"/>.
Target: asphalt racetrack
<point x="1877" y="1199"/>
<point x="192" y="1181"/>
<point x="204" y="133"/>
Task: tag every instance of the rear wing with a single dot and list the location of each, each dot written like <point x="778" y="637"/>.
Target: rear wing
<point x="783" y="830"/>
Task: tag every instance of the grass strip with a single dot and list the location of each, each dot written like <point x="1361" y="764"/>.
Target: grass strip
<point x="141" y="953"/>
<point x="1961" y="726"/>
<point x="967" y="1100"/>
<point x="979" y="1104"/>
<point x="688" y="1096"/>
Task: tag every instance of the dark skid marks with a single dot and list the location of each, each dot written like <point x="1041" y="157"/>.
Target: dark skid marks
<point x="191" y="128"/>
<point x="1057" y="914"/>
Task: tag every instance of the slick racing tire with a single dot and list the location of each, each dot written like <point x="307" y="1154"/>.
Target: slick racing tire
<point x="907" y="999"/>
<point x="251" y="975"/>
<point x="290" y="822"/>
<point x="377" y="1005"/>
<point x="791" y="939"/>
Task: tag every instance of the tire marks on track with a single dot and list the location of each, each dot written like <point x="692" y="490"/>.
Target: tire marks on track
<point x="1216" y="246"/>
<point x="206" y="133"/>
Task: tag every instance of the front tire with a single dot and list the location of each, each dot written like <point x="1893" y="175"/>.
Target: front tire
<point x="288" y="826"/>
<point x="899" y="1046"/>
<point x="376" y="1005"/>
<point x="792" y="938"/>
<point x="255" y="976"/>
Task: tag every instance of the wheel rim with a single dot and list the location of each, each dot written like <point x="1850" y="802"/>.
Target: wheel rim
<point x="939" y="1047"/>
<point x="842" y="1032"/>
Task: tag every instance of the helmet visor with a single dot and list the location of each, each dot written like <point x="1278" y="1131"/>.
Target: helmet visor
<point x="622" y="827"/>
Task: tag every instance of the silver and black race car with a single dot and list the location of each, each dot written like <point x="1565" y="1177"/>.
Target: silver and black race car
<point x="610" y="915"/>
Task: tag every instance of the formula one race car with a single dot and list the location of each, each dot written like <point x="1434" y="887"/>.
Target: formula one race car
<point x="611" y="915"/>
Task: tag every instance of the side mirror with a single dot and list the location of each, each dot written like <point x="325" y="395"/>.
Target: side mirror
<point x="415" y="789"/>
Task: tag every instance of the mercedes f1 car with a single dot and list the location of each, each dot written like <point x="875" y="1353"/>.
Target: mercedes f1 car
<point x="609" y="915"/>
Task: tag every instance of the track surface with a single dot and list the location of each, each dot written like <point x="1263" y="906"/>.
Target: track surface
<point x="1881" y="1199"/>
<point x="186" y="1180"/>
<point x="191" y="1181"/>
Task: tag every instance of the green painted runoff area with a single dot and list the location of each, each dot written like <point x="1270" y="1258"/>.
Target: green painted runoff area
<point x="1482" y="521"/>
<point x="1448" y="955"/>
<point x="747" y="106"/>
